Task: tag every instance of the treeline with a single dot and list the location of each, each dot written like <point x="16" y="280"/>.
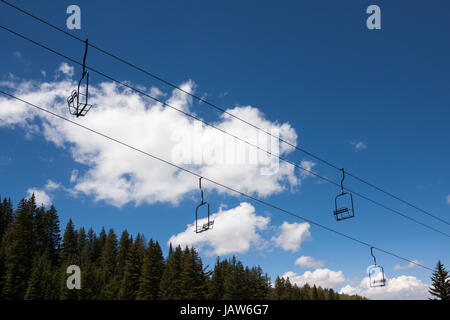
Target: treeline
<point x="34" y="259"/>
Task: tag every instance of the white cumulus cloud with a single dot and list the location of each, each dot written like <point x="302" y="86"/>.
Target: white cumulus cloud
<point x="234" y="231"/>
<point x="308" y="262"/>
<point x="42" y="198"/>
<point x="399" y="288"/>
<point x="118" y="175"/>
<point x="324" y="278"/>
<point x="291" y="235"/>
<point x="308" y="165"/>
<point x="66" y="69"/>
<point x="408" y="266"/>
<point x="358" y="145"/>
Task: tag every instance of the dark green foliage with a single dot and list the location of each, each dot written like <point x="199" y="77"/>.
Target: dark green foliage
<point x="152" y="271"/>
<point x="34" y="261"/>
<point x="234" y="281"/>
<point x="440" y="286"/>
<point x="124" y="245"/>
<point x="193" y="278"/>
<point x="107" y="267"/>
<point x="70" y="248"/>
<point x="43" y="283"/>
<point x="70" y="255"/>
<point x="18" y="252"/>
<point x="130" y="282"/>
<point x="284" y="290"/>
<point x="171" y="285"/>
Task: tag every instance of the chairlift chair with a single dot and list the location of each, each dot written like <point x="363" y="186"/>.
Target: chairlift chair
<point x="343" y="203"/>
<point x="342" y="211"/>
<point x="78" y="101"/>
<point x="209" y="224"/>
<point x="376" y="273"/>
<point x="79" y="106"/>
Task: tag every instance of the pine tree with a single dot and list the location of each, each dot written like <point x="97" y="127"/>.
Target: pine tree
<point x="288" y="290"/>
<point x="315" y="294"/>
<point x="440" y="286"/>
<point x="217" y="282"/>
<point x="40" y="239"/>
<point x="260" y="283"/>
<point x="330" y="294"/>
<point x="124" y="245"/>
<point x="69" y="250"/>
<point x="108" y="267"/>
<point x="41" y="285"/>
<point x="152" y="271"/>
<point x="53" y="233"/>
<point x="108" y="258"/>
<point x="6" y="217"/>
<point x="92" y="242"/>
<point x="18" y="242"/>
<point x="234" y="281"/>
<point x="278" y="291"/>
<point x="171" y="285"/>
<point x="98" y="246"/>
<point x="130" y="282"/>
<point x="69" y="256"/>
<point x="192" y="276"/>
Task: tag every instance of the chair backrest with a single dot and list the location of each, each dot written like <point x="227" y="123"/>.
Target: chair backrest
<point x="376" y="276"/>
<point x="345" y="211"/>
<point x="205" y="226"/>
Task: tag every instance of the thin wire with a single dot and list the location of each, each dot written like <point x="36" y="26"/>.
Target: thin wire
<point x="225" y="132"/>
<point x="266" y="203"/>
<point x="224" y="111"/>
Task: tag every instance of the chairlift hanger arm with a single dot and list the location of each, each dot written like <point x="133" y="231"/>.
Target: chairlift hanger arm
<point x="374" y="258"/>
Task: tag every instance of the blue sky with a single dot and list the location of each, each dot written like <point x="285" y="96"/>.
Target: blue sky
<point x="311" y="64"/>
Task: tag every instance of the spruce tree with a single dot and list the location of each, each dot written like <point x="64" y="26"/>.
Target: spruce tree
<point x="108" y="267"/>
<point x="171" y="285"/>
<point x="130" y="282"/>
<point x="108" y="258"/>
<point x="18" y="254"/>
<point x="124" y="245"/>
<point x="306" y="289"/>
<point x="53" y="233"/>
<point x="98" y="246"/>
<point x="315" y="294"/>
<point x="152" y="271"/>
<point x="41" y="285"/>
<point x="6" y="217"/>
<point x="278" y="291"/>
<point x="330" y="294"/>
<point x="192" y="276"/>
<point x="69" y="256"/>
<point x="217" y="282"/>
<point x="440" y="286"/>
<point x="69" y="251"/>
<point x="234" y="281"/>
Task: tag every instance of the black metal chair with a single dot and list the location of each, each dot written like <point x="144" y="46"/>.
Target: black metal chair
<point x="78" y="101"/>
<point x="376" y="273"/>
<point x="343" y="203"/>
<point x="209" y="224"/>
